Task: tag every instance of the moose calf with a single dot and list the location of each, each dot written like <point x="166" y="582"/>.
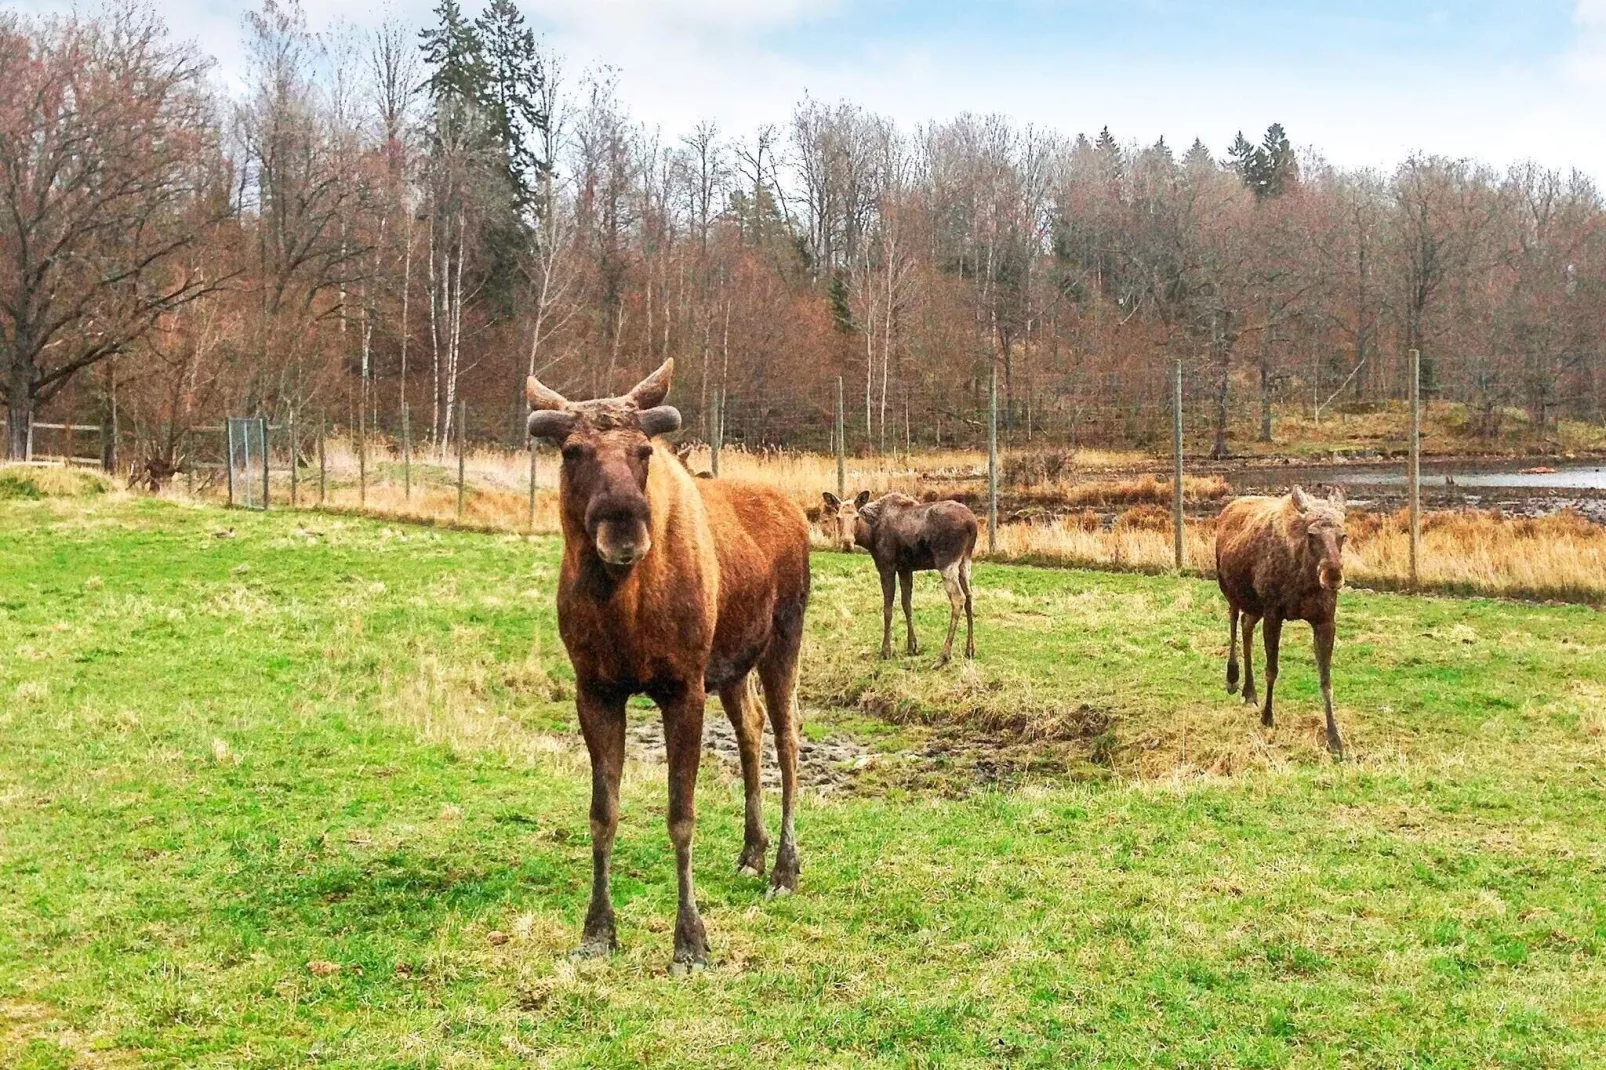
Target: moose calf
<point x="1282" y="559"/>
<point x="905" y="537"/>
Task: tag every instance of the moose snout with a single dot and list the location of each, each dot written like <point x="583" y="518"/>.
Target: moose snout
<point x="619" y="529"/>
<point x="622" y="543"/>
<point x="1332" y="577"/>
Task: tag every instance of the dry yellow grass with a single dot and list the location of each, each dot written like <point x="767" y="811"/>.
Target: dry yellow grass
<point x="1558" y="557"/>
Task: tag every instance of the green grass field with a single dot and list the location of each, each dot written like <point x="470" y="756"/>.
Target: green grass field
<point x="311" y="794"/>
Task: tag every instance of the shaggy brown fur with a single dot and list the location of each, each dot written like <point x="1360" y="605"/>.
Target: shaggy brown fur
<point x="1282" y="559"/>
<point x="673" y="587"/>
<point x="905" y="537"/>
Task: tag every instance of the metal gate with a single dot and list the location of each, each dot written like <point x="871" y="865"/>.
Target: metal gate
<point x="248" y="462"/>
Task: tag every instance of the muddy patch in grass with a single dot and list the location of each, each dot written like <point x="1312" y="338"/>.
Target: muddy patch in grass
<point x="828" y="766"/>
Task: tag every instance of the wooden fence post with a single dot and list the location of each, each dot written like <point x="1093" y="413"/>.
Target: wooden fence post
<point x="992" y="461"/>
<point x="323" y="461"/>
<point x="407" y="452"/>
<point x="841" y="445"/>
<point x="719" y="432"/>
<point x="1413" y="475"/>
<point x="462" y="438"/>
<point x="1176" y="464"/>
<point x="262" y="424"/>
<point x="295" y="458"/>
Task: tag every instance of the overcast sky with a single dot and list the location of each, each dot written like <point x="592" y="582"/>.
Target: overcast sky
<point x="1498" y="80"/>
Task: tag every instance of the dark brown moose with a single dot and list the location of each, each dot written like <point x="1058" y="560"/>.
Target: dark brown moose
<point x="673" y="587"/>
<point x="1280" y="559"/>
<point x="905" y="537"/>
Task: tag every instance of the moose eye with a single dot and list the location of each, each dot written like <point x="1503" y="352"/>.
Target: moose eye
<point x="573" y="452"/>
<point x="644" y="452"/>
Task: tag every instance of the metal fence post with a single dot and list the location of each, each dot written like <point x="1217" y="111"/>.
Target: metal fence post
<point x="462" y="437"/>
<point x="1176" y="464"/>
<point x="992" y="460"/>
<point x="841" y="445"/>
<point x="1413" y="475"/>
<point x="228" y="455"/>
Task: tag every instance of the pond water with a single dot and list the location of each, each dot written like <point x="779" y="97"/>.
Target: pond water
<point x="1469" y="474"/>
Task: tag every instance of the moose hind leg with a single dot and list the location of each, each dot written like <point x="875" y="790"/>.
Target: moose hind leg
<point x="1232" y="649"/>
<point x="778" y="671"/>
<point x="1249" y="622"/>
<point x="956" y="606"/>
<point x="970" y="612"/>
<point x="741" y="706"/>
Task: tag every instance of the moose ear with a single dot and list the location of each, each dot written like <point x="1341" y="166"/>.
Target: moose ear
<point x="1336" y="497"/>
<point x="831" y="500"/>
<point x="659" y="420"/>
<point x="651" y="391"/>
<point x="541" y="396"/>
<point x="1301" y="499"/>
<point x="863" y="499"/>
<point x="550" y="424"/>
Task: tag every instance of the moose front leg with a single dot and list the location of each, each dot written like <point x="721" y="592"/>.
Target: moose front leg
<point x="683" y="740"/>
<point x="906" y="583"/>
<point x="1324" y="667"/>
<point x="889" y="580"/>
<point x="1272" y="629"/>
<point x="602" y="722"/>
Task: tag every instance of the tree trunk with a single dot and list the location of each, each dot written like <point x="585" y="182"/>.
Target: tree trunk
<point x="19" y="408"/>
<point x="19" y="415"/>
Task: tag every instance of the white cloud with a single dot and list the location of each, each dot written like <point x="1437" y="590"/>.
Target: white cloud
<point x="1586" y="62"/>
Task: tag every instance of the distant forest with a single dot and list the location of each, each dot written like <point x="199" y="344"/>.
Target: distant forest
<point x="410" y="217"/>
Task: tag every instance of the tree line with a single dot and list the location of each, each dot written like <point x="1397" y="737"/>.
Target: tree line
<point x="383" y="224"/>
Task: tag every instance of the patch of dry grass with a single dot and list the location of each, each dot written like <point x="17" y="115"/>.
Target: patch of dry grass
<point x="1466" y="552"/>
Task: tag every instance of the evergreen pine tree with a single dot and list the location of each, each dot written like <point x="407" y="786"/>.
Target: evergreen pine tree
<point x="454" y="53"/>
<point x="1198" y="158"/>
<point x="1280" y="171"/>
<point x="514" y="80"/>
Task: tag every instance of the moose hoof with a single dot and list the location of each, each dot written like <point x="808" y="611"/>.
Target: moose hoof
<point x="1232" y="687"/>
<point x="747" y="869"/>
<point x="686" y="969"/>
<point x="593" y="949"/>
<point x="1336" y="745"/>
<point x="1266" y="719"/>
<point x="1251" y="700"/>
<point x="943" y="660"/>
<point x="784" y="880"/>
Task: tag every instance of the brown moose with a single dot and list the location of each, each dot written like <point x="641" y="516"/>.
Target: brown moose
<point x="905" y="537"/>
<point x="1280" y="559"/>
<point x="673" y="587"/>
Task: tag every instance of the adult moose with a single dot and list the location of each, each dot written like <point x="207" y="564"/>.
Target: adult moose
<point x="905" y="537"/>
<point x="673" y="587"/>
<point x="1280" y="559"/>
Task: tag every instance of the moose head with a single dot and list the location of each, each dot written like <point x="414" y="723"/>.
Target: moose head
<point x="606" y="446"/>
<point x="1321" y="526"/>
<point x="840" y="519"/>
